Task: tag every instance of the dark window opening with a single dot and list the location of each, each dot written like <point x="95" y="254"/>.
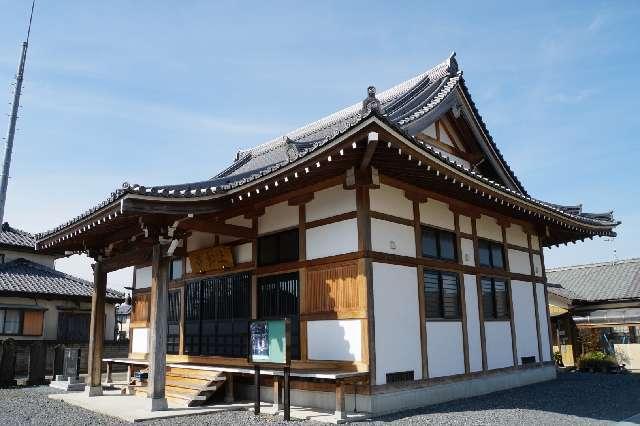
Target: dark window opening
<point x="438" y="244"/>
<point x="279" y="297"/>
<point x="217" y="314"/>
<point x="400" y="376"/>
<point x="278" y="248"/>
<point x="495" y="300"/>
<point x="442" y="295"/>
<point x="527" y="359"/>
<point x="173" y="323"/>
<point x="73" y="327"/>
<point x="490" y="254"/>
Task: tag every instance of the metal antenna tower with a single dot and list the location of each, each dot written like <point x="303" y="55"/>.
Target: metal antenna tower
<point x="8" y="149"/>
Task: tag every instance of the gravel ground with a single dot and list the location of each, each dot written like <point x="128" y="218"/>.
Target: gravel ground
<point x="575" y="398"/>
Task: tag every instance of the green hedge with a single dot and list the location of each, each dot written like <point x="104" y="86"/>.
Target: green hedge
<point x="598" y="361"/>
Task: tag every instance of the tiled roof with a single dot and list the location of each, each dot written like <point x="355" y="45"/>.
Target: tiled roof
<point x="401" y="106"/>
<point x="15" y="237"/>
<point x="24" y="276"/>
<point x="597" y="281"/>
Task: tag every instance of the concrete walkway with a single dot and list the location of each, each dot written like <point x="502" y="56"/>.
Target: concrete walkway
<point x="132" y="408"/>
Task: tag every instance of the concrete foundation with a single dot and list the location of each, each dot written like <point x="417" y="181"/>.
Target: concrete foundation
<point x="412" y="397"/>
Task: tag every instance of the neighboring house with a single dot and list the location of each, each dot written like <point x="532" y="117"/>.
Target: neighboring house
<point x="123" y="318"/>
<point x="393" y="234"/>
<point x="596" y="307"/>
<point x="38" y="302"/>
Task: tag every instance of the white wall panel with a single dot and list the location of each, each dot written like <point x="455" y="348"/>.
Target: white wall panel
<point x="517" y="236"/>
<point x="143" y="277"/>
<point x="474" y="339"/>
<point x="332" y="239"/>
<point x="519" y="262"/>
<point x="278" y="216"/>
<point x="397" y="331"/>
<point x="445" y="349"/>
<point x="487" y="227"/>
<point x="243" y="253"/>
<point x="535" y="243"/>
<point x="524" y="318"/>
<point x="537" y="265"/>
<point x="468" y="253"/>
<point x="386" y="235"/>
<point x="465" y="224"/>
<point x="544" y="323"/>
<point x="437" y="213"/>
<point x="331" y="202"/>
<point x="390" y="200"/>
<point x="198" y="240"/>
<point x="335" y="340"/>
<point x="140" y="340"/>
<point x="239" y="221"/>
<point x="498" y="344"/>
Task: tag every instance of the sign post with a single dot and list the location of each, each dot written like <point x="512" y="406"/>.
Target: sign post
<point x="270" y="345"/>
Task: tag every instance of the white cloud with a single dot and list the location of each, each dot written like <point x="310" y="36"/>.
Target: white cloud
<point x="570" y="98"/>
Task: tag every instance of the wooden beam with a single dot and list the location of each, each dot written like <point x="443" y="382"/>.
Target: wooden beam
<point x="368" y="155"/>
<point x="179" y="207"/>
<point x="214" y="227"/>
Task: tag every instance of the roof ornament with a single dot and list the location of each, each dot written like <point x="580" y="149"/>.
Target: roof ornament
<point x="292" y="149"/>
<point x="452" y="64"/>
<point x="371" y="103"/>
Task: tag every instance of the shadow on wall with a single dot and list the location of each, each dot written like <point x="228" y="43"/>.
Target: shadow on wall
<point x="606" y="397"/>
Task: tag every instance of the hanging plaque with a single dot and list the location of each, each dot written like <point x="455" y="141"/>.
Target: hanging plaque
<point x="211" y="259"/>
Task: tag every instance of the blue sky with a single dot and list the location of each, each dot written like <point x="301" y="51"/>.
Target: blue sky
<point x="158" y="92"/>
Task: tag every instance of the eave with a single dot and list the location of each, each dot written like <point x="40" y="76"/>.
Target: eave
<point x="125" y="210"/>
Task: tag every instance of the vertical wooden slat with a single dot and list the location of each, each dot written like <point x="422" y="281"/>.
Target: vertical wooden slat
<point x="417" y="228"/>
<point x="483" y="340"/>
<point x="514" y="340"/>
<point x="463" y="302"/>
<point x="535" y="298"/>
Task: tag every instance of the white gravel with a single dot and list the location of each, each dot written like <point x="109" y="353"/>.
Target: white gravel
<point x="574" y="398"/>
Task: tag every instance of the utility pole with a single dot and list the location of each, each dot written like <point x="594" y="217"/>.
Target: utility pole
<point x="8" y="148"/>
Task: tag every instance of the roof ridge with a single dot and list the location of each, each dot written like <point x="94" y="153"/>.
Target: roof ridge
<point x="449" y="65"/>
<point x="595" y="264"/>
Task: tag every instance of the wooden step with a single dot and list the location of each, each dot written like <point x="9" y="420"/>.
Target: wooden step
<point x="187" y="383"/>
<point x="189" y="387"/>
<point x="195" y="374"/>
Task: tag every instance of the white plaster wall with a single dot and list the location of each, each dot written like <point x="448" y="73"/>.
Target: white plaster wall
<point x="239" y="221"/>
<point x="465" y="224"/>
<point x="535" y="242"/>
<point x="390" y="200"/>
<point x="143" y="277"/>
<point x="385" y="235"/>
<point x="397" y="331"/>
<point x="537" y="265"/>
<point x="524" y="318"/>
<point x="330" y="202"/>
<point x="519" y="262"/>
<point x="544" y="323"/>
<point x="516" y="235"/>
<point x="332" y="239"/>
<point x="42" y="259"/>
<point x="278" y="216"/>
<point x="445" y="349"/>
<point x="140" y="340"/>
<point x="474" y="339"/>
<point x="468" y="253"/>
<point x="243" y="253"/>
<point x="334" y="340"/>
<point x="437" y="213"/>
<point x="487" y="227"/>
<point x="498" y="344"/>
<point x="198" y="240"/>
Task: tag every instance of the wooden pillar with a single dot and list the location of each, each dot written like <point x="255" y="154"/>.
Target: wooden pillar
<point x="109" y="372"/>
<point x="229" y="391"/>
<point x="96" y="331"/>
<point x="276" y="393"/>
<point x="158" y="330"/>
<point x="340" y="412"/>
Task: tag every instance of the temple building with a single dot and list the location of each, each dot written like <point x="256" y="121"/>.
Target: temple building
<point x="393" y="234"/>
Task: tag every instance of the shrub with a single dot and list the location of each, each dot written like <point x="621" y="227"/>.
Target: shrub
<point x="598" y="361"/>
